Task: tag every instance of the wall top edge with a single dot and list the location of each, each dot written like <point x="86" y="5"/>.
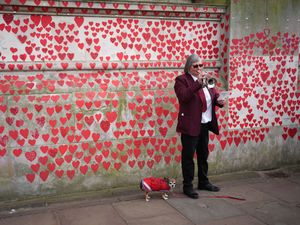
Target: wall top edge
<point x="191" y="8"/>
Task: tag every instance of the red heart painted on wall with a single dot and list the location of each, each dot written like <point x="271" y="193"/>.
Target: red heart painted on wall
<point x="8" y="18"/>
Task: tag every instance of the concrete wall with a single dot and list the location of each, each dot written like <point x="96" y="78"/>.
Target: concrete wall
<point x="87" y="100"/>
<point x="263" y="109"/>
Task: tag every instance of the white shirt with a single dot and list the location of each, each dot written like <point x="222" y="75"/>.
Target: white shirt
<point x="207" y="115"/>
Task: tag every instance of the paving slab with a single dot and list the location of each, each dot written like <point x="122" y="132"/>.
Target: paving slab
<point x="275" y="213"/>
<point x="241" y="181"/>
<point x="140" y="209"/>
<point x="249" y="194"/>
<point x="91" y="215"/>
<point x="47" y="218"/>
<point x="295" y="179"/>
<point x="204" y="209"/>
<point x="281" y="188"/>
<point x="237" y="220"/>
<point x="168" y="219"/>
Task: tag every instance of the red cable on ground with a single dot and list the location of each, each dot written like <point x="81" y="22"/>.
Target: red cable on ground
<point x="212" y="196"/>
<point x="225" y="196"/>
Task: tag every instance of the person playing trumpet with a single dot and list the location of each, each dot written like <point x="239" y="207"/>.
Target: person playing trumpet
<point x="196" y="117"/>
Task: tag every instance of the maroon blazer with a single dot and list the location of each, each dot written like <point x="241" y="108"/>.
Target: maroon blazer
<point x="190" y="106"/>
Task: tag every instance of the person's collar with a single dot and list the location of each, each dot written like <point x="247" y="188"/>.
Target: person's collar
<point x="195" y="78"/>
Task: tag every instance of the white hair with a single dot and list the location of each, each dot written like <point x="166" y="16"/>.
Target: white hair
<point x="189" y="62"/>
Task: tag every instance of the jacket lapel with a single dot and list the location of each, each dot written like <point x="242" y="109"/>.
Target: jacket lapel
<point x="202" y="95"/>
<point x="203" y="100"/>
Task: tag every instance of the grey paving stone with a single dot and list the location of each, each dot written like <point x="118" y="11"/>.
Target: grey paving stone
<point x="168" y="219"/>
<point x="274" y="213"/>
<point x="92" y="215"/>
<point x="237" y="220"/>
<point x="246" y="192"/>
<point x="140" y="209"/>
<point x="282" y="189"/>
<point x="295" y="179"/>
<point x="33" y="219"/>
<point x="203" y="210"/>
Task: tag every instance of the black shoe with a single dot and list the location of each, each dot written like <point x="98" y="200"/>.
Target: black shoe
<point x="191" y="194"/>
<point x="208" y="187"/>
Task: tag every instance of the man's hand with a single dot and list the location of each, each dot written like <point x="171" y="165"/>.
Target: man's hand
<point x="201" y="78"/>
<point x="221" y="102"/>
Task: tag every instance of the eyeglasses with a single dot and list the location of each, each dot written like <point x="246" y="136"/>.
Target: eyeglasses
<point x="198" y="65"/>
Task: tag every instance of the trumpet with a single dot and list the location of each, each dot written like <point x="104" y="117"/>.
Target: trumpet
<point x="209" y="82"/>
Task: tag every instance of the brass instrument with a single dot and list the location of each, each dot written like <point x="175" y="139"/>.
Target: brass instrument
<point x="209" y="82"/>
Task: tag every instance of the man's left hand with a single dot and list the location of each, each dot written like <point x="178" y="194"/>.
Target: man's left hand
<point x="221" y="102"/>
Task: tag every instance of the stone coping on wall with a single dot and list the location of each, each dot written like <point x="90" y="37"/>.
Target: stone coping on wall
<point x="80" y="9"/>
<point x="186" y="11"/>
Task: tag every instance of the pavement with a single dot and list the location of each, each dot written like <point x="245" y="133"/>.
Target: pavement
<point x="257" y="198"/>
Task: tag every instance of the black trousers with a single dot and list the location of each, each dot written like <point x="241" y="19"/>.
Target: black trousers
<point x="190" y="144"/>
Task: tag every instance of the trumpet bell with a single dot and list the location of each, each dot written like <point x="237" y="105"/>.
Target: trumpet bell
<point x="211" y="82"/>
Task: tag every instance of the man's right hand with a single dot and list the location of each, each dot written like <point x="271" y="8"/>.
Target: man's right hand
<point x="201" y="78"/>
